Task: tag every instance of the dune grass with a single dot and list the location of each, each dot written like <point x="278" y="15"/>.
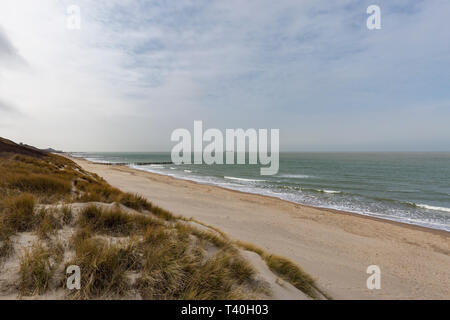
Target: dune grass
<point x="67" y="214"/>
<point x="47" y="224"/>
<point x="114" y="221"/>
<point x="135" y="202"/>
<point x="6" y="249"/>
<point x="171" y="265"/>
<point x="174" y="270"/>
<point x="17" y="214"/>
<point x="95" y="190"/>
<point x="48" y="179"/>
<point x="168" y="257"/>
<point x="36" y="270"/>
<point x="287" y="270"/>
<point x="104" y="267"/>
<point x="139" y="203"/>
<point x="39" y="183"/>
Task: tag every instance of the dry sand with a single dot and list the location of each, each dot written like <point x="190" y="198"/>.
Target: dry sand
<point x="334" y="247"/>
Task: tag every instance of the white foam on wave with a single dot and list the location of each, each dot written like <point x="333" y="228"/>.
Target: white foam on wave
<point x="188" y="171"/>
<point x="145" y="168"/>
<point x="243" y="179"/>
<point x="428" y="207"/>
<point x="323" y="191"/>
<point x="96" y="160"/>
<point x="330" y="191"/>
<point x="295" y="176"/>
<point x="228" y="184"/>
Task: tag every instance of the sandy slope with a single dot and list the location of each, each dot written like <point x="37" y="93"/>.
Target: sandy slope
<point x="334" y="247"/>
<point x="276" y="288"/>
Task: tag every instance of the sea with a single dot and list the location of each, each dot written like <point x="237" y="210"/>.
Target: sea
<point x="413" y="188"/>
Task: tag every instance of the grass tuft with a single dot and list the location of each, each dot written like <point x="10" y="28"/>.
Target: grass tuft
<point x="103" y="266"/>
<point x="18" y="215"/>
<point x="114" y="221"/>
<point x="67" y="215"/>
<point x="139" y="203"/>
<point x="47" y="225"/>
<point x="96" y="190"/>
<point x="288" y="270"/>
<point x="293" y="274"/>
<point x="39" y="183"/>
<point x="35" y="270"/>
<point x="6" y="249"/>
<point x="175" y="270"/>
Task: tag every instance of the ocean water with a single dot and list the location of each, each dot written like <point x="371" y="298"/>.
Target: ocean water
<point x="407" y="187"/>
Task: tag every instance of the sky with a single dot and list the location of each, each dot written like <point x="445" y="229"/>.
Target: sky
<point x="137" y="70"/>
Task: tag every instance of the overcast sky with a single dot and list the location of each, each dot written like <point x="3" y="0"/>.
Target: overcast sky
<point x="137" y="70"/>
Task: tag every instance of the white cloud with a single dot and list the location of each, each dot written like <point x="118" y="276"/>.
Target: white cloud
<point x="137" y="70"/>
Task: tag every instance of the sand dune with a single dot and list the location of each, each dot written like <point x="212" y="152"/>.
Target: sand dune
<point x="334" y="247"/>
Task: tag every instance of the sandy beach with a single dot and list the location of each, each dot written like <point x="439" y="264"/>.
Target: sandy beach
<point x="334" y="247"/>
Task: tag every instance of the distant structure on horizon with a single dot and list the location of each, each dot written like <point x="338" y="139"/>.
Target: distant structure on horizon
<point x="49" y="150"/>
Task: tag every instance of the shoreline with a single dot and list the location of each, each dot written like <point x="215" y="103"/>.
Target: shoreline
<point x="360" y="215"/>
<point x="331" y="210"/>
<point x="333" y="246"/>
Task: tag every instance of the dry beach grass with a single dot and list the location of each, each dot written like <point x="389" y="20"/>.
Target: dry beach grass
<point x="54" y="214"/>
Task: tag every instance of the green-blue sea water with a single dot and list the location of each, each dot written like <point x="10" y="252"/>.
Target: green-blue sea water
<point x="407" y="187"/>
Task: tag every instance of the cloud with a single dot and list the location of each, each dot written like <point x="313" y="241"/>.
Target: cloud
<point x="6" y="48"/>
<point x="9" y="114"/>
<point x="139" y="69"/>
<point x="4" y="107"/>
<point x="9" y="55"/>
